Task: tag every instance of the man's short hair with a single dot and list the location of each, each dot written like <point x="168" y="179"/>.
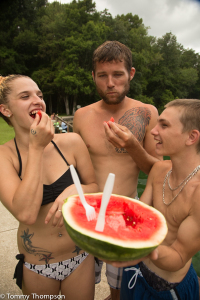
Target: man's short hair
<point x="190" y="114"/>
<point x="113" y="50"/>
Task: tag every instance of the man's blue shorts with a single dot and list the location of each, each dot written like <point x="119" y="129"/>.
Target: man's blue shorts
<point x="134" y="286"/>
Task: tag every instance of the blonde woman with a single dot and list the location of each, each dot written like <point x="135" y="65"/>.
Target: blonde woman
<point x="34" y="180"/>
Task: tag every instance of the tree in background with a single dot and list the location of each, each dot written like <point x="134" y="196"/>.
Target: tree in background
<point x="171" y="78"/>
<point x="18" y="36"/>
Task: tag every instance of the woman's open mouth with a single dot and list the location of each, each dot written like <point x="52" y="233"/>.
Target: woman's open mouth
<point x="33" y="113"/>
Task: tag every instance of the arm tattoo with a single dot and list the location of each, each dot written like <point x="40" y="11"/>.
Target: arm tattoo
<point x="43" y="254"/>
<point x="33" y="131"/>
<point x="135" y="119"/>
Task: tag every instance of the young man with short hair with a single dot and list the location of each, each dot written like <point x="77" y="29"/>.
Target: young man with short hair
<point x="173" y="187"/>
<point x="112" y="73"/>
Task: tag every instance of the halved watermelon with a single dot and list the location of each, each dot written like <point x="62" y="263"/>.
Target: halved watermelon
<point x="132" y="228"/>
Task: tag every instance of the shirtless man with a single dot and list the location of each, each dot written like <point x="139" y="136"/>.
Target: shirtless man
<point x="112" y="73"/>
<point x="173" y="187"/>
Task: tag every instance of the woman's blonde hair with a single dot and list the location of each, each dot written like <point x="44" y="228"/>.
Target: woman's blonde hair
<point x="5" y="90"/>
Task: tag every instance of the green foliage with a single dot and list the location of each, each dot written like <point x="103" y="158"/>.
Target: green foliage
<point x="172" y="78"/>
<point x="187" y="80"/>
<point x="54" y="43"/>
<point x="165" y="97"/>
<point x="195" y="262"/>
<point x="6" y="132"/>
<point x="145" y="99"/>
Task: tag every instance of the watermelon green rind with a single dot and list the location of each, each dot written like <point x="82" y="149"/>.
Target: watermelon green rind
<point x="107" y="247"/>
<point x="106" y="250"/>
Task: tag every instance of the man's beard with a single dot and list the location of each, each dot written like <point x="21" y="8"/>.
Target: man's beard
<point x="119" y="98"/>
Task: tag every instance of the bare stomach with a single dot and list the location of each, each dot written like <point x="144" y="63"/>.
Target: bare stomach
<point x="169" y="276"/>
<point x="125" y="170"/>
<point x="42" y="244"/>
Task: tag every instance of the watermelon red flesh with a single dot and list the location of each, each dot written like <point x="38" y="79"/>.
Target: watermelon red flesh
<point x="112" y="120"/>
<point x="132" y="229"/>
<point x="120" y="216"/>
<point x="40" y="114"/>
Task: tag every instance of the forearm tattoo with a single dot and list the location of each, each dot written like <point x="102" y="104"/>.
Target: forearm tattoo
<point x="43" y="254"/>
<point x="33" y="131"/>
<point x="135" y="119"/>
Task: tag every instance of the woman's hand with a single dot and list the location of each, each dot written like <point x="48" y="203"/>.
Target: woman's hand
<point x="41" y="131"/>
<point x="55" y="212"/>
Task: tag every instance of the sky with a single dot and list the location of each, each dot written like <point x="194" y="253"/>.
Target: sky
<point x="181" y="17"/>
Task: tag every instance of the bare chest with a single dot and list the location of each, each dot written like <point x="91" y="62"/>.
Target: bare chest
<point x="95" y="139"/>
<point x="174" y="206"/>
<point x="93" y="132"/>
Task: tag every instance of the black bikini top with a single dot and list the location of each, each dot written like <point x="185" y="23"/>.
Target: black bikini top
<point x="51" y="191"/>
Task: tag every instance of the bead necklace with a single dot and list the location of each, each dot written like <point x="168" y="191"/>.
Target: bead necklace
<point x="184" y="182"/>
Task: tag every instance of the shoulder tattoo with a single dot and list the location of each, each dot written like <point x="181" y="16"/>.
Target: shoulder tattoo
<point x="135" y="119"/>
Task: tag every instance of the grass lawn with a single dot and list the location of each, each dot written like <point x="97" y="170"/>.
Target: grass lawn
<point x="6" y="132"/>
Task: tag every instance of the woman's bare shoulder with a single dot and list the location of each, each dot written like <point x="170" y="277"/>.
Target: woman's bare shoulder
<point x="6" y="149"/>
<point x="68" y="139"/>
<point x="8" y="156"/>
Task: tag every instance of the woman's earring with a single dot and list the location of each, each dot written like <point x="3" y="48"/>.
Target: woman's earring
<point x="8" y="116"/>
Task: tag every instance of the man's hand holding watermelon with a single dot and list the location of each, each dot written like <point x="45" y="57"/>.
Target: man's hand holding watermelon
<point x="123" y="264"/>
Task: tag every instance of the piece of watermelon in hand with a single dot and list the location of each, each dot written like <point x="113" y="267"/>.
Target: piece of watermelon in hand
<point x="111" y="120"/>
<point x="40" y="114"/>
